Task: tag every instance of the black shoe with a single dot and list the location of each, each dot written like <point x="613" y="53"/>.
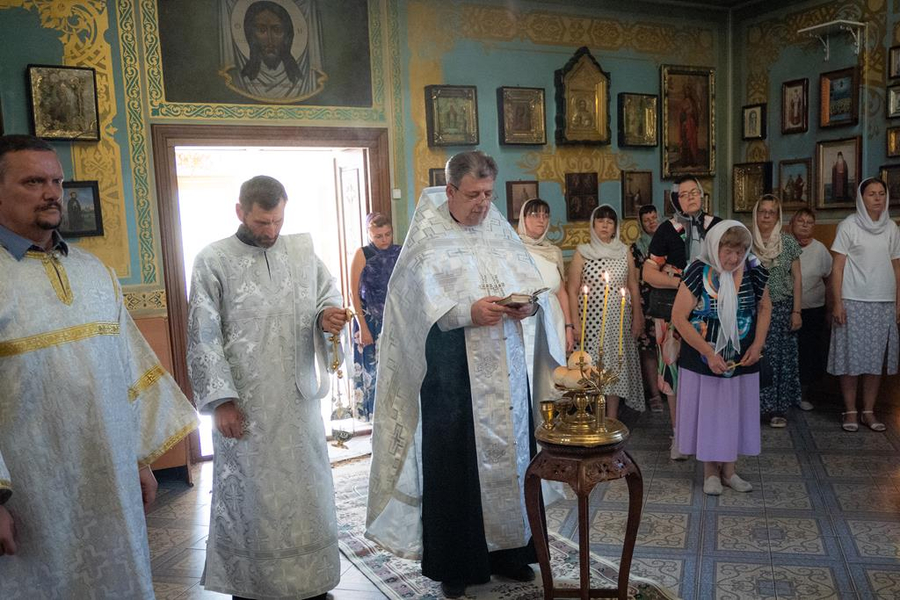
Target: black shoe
<point x="453" y="589"/>
<point x="517" y="573"/>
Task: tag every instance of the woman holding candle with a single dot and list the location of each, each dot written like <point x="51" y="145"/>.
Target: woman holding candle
<point x="722" y="312"/>
<point x="534" y="220"/>
<point x="605" y="267"/>
<point x="866" y="286"/>
<point x="780" y="255"/>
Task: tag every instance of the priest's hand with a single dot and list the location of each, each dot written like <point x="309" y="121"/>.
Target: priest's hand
<point x="522" y="312"/>
<point x="148" y="486"/>
<point x="7" y="533"/>
<point x="487" y="312"/>
<point x="230" y="420"/>
<point x="333" y="320"/>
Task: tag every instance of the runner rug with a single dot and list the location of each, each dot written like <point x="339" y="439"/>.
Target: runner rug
<point x="401" y="579"/>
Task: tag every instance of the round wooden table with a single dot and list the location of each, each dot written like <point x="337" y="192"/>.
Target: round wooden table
<point x="582" y="468"/>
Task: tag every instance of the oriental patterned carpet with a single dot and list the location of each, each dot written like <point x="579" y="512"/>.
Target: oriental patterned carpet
<point x="401" y="579"/>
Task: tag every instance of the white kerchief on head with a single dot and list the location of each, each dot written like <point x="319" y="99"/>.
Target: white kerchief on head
<point x="767" y="250"/>
<point x="597" y="248"/>
<point x="862" y="215"/>
<point x="539" y="246"/>
<point x="727" y="300"/>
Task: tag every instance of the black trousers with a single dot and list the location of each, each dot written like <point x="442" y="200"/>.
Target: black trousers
<point x="454" y="546"/>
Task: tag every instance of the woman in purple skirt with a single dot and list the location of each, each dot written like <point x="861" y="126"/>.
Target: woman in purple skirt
<point x="722" y="312"/>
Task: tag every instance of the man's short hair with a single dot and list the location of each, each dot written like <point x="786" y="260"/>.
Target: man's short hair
<point x="474" y="162"/>
<point x="263" y="190"/>
<point x="18" y="143"/>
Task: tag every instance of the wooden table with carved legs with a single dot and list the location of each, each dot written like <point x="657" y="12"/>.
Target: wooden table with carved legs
<point x="582" y="468"/>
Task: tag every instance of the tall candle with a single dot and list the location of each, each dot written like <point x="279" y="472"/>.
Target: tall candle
<point x="584" y="293"/>
<point x="603" y="320"/>
<point x="621" y="321"/>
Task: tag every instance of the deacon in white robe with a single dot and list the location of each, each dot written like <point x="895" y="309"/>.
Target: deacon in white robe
<point x="256" y="343"/>
<point x="452" y="495"/>
<point x="84" y="404"/>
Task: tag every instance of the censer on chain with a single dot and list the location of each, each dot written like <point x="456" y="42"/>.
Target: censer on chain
<point x="341" y="411"/>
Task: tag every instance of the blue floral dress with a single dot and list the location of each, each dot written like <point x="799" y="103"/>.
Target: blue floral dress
<point x="373" y="282"/>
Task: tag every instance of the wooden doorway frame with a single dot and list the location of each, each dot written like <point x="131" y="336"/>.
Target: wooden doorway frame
<point x="167" y="137"/>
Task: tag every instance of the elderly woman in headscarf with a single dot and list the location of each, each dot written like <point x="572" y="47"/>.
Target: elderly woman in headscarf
<point x="780" y="255"/>
<point x="722" y="312"/>
<point x="675" y="244"/>
<point x="640" y="251"/>
<point x="865" y="283"/>
<point x="534" y="221"/>
<point x="607" y="262"/>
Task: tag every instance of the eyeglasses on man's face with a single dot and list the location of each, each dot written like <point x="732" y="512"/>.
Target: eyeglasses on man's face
<point x="475" y="196"/>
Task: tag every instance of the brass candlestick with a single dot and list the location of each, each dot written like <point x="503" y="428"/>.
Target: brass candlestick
<point x="579" y="418"/>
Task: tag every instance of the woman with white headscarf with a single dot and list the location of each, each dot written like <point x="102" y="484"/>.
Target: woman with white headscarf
<point x="865" y="283"/>
<point x="780" y="255"/>
<point x="722" y="312"/>
<point x="534" y="221"/>
<point x="607" y="255"/>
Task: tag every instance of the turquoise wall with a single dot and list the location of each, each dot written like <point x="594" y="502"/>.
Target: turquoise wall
<point x="489" y="63"/>
<point x="800" y="56"/>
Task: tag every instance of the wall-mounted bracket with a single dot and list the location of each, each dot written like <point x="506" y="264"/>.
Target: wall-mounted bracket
<point x="824" y="32"/>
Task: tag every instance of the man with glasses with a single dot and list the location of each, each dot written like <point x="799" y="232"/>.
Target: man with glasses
<point x="450" y="347"/>
<point x="674" y="245"/>
<point x="815" y="269"/>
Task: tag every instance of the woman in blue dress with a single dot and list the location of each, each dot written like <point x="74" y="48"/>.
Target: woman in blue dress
<point x="369" y="275"/>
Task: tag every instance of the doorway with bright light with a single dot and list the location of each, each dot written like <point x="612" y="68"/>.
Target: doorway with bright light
<point x="330" y="191"/>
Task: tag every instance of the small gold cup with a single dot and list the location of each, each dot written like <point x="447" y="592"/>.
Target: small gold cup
<point x="548" y="411"/>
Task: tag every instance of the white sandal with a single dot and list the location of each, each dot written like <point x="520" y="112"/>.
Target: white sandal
<point x="851" y="427"/>
<point x="873" y="424"/>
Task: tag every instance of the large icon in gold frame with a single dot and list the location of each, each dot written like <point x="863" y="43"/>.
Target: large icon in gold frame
<point x="582" y="101"/>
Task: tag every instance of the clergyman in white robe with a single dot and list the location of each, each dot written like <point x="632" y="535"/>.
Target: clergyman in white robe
<point x="83" y="403"/>
<point x="254" y="335"/>
<point x="443" y="269"/>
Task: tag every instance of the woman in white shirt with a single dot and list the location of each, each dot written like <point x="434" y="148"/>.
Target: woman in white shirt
<point x="534" y="221"/>
<point x="865" y="282"/>
<point x="815" y="267"/>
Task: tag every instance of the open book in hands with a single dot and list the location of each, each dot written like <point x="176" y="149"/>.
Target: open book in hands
<point x="518" y="300"/>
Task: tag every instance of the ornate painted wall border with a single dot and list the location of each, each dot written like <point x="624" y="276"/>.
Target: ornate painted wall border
<point x="160" y="109"/>
<point x="135" y="118"/>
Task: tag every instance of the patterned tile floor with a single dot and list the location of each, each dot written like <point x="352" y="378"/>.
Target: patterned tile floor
<point x="822" y="522"/>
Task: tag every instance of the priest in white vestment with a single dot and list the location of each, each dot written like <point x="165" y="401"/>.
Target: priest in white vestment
<point x="453" y="497"/>
<point x="259" y="309"/>
<point x="85" y="406"/>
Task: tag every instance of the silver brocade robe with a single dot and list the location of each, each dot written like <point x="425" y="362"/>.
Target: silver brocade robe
<point x="442" y="270"/>
<point x="83" y="402"/>
<point x="253" y="335"/>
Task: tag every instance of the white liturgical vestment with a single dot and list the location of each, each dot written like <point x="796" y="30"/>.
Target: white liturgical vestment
<point x="254" y="337"/>
<point x="83" y="402"/>
<point x="443" y="269"/>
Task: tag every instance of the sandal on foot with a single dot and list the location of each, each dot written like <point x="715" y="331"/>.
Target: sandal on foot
<point x="712" y="486"/>
<point x="851" y="427"/>
<point x="873" y="424"/>
<point x="737" y="484"/>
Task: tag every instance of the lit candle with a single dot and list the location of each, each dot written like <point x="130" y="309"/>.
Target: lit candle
<point x="621" y="320"/>
<point x="584" y="293"/>
<point x="603" y="319"/>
